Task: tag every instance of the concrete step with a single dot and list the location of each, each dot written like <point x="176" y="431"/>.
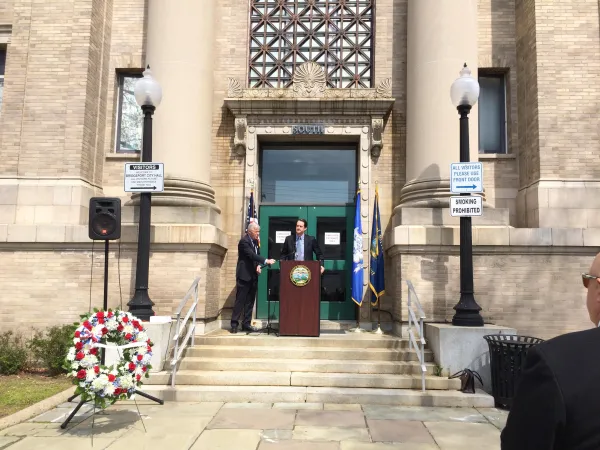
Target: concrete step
<point x="307" y="379"/>
<point x="343" y="340"/>
<point x="295" y="394"/>
<point x="303" y="365"/>
<point x="330" y="353"/>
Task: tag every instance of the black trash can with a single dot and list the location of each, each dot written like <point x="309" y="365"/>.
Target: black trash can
<point x="507" y="358"/>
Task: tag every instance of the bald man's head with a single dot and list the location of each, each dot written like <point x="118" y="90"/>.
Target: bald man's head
<point x="591" y="281"/>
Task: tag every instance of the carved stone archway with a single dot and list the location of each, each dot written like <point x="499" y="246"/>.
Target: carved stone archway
<point x="308" y="107"/>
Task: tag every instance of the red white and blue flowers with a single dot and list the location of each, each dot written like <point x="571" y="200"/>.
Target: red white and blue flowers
<point x="107" y="384"/>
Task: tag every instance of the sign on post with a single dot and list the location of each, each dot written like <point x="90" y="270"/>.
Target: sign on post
<point x="466" y="206"/>
<point x="466" y="178"/>
<point x="144" y="177"/>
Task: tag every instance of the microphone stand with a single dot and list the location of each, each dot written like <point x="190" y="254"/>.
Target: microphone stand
<point x="269" y="328"/>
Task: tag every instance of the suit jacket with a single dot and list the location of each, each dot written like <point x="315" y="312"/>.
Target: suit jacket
<point x="248" y="260"/>
<point x="557" y="403"/>
<point x="288" y="250"/>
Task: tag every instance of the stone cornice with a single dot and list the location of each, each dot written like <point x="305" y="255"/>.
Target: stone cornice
<point x="546" y="240"/>
<point x="295" y="106"/>
<point x="309" y="94"/>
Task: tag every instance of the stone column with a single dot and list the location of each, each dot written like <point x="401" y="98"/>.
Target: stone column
<point x="179" y="50"/>
<point x="442" y="36"/>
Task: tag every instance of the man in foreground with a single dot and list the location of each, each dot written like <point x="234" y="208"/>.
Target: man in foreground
<point x="557" y="404"/>
<point x="301" y="246"/>
<point x="246" y="276"/>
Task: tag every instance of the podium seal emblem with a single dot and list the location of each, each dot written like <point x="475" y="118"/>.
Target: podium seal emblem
<point x="300" y="276"/>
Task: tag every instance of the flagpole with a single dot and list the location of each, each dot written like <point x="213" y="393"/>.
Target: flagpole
<point x="375" y="238"/>
<point x="358" y="293"/>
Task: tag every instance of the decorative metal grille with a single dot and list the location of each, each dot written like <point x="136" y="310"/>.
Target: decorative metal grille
<point x="336" y="34"/>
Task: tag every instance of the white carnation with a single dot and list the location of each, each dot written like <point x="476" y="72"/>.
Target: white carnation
<point x="71" y="354"/>
<point x="142" y="336"/>
<point x="109" y="389"/>
<point x="142" y="350"/>
<point x="76" y="340"/>
<point x="75" y="365"/>
<point x="90" y="374"/>
<point x="138" y="371"/>
<point x="126" y="381"/>
<point x="74" y="373"/>
<point x="112" y="324"/>
<point x="128" y="329"/>
<point x="98" y="384"/>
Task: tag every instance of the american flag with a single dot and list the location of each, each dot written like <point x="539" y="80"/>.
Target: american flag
<point x="252" y="216"/>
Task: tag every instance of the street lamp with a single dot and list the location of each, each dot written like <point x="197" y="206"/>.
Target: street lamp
<point x="464" y="94"/>
<point x="148" y="95"/>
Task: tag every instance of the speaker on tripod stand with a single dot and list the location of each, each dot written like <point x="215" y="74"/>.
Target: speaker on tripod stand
<point x="105" y="219"/>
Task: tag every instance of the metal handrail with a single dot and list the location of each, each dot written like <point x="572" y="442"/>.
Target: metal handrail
<point x="413" y="321"/>
<point x="181" y="346"/>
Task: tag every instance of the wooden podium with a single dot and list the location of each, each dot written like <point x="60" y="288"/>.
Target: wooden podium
<point x="300" y="298"/>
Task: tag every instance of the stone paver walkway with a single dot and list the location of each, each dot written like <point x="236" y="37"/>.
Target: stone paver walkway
<point x="260" y="426"/>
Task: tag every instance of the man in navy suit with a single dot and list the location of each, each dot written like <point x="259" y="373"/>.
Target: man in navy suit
<point x="246" y="275"/>
<point x="301" y="246"/>
<point x="557" y="403"/>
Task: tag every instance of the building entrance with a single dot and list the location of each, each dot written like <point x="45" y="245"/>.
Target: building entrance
<point x="316" y="183"/>
<point x="333" y="228"/>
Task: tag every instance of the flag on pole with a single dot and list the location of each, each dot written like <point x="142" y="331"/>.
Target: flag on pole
<point x="251" y="216"/>
<point x="357" y="256"/>
<point x="376" y="280"/>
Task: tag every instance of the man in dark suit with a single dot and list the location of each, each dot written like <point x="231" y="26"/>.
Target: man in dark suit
<point x="557" y="403"/>
<point x="301" y="246"/>
<point x="246" y="275"/>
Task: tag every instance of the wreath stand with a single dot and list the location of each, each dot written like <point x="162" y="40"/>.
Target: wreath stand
<point x="103" y="353"/>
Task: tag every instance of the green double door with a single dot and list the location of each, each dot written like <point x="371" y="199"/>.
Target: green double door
<point x="333" y="228"/>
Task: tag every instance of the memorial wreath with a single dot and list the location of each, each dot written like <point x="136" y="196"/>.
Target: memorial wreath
<point x="107" y="384"/>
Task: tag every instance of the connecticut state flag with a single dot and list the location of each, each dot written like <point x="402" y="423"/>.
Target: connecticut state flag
<point x="376" y="278"/>
<point x="357" y="256"/>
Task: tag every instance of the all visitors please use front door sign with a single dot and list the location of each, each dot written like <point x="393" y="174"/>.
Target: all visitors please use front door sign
<point x="466" y="178"/>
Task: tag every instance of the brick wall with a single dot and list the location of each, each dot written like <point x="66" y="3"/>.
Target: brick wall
<point x="568" y="70"/>
<point x="527" y="92"/>
<point x="6" y="11"/>
<point x="501" y="181"/>
<point x="227" y="170"/>
<point x="58" y="282"/>
<point x="53" y="80"/>
<point x="538" y="294"/>
<point x="498" y="52"/>
<point x="128" y="35"/>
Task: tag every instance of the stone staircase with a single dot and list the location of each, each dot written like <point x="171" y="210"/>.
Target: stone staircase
<point x="338" y="367"/>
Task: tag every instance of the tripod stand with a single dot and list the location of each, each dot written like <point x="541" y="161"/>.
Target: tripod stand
<point x="102" y="350"/>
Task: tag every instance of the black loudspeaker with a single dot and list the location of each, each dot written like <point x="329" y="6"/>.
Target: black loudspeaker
<point x="105" y="218"/>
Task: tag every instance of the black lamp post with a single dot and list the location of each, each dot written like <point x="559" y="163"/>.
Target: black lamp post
<point x="464" y="94"/>
<point x="148" y="95"/>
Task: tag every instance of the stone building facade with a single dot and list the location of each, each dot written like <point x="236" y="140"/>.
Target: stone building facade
<point x="65" y="134"/>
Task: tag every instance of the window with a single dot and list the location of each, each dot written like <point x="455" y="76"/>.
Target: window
<point x="2" y="67"/>
<point x="314" y="174"/>
<point x="129" y="115"/>
<point x="337" y="34"/>
<point x="492" y="112"/>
